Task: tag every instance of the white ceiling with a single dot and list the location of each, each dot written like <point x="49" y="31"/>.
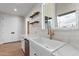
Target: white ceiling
<point x="22" y="8"/>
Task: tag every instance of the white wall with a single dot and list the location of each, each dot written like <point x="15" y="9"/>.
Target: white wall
<point x="8" y="24"/>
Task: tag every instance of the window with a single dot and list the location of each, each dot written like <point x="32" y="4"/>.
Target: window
<point x="67" y="20"/>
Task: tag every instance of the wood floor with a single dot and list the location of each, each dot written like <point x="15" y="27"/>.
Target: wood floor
<point x="11" y="49"/>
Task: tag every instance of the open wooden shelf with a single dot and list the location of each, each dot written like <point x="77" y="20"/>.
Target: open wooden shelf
<point x="36" y="13"/>
<point x="34" y="22"/>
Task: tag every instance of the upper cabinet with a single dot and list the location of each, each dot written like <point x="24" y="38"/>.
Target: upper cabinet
<point x="48" y="15"/>
<point x="49" y="9"/>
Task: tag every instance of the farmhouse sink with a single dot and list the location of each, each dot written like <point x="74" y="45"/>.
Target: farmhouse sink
<point x="46" y="44"/>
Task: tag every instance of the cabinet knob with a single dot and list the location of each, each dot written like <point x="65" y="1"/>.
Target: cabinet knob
<point x="35" y="54"/>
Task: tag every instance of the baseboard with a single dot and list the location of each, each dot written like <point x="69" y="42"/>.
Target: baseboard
<point x="2" y="43"/>
<point x="11" y="42"/>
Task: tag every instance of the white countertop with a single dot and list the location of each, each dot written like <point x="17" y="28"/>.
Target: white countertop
<point x="67" y="50"/>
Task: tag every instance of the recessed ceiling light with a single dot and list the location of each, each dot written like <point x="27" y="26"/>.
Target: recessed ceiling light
<point x="15" y="9"/>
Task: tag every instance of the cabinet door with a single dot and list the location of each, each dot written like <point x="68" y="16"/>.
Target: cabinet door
<point x="33" y="52"/>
